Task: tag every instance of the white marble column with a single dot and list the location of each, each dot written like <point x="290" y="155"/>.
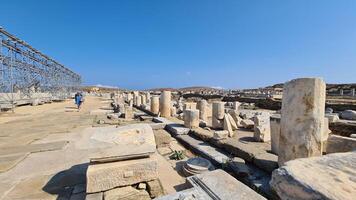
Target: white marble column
<point x="165" y="104"/>
<point x="302" y="121"/>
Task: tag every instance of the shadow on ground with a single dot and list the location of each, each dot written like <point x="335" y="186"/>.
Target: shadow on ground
<point x="63" y="183"/>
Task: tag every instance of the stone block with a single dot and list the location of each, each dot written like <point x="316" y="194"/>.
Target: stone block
<point x="262" y="127"/>
<point x="327" y="177"/>
<point x="247" y="123"/>
<point x="106" y="176"/>
<point x="126" y="193"/>
<point x="191" y="118"/>
<point x="227" y="126"/>
<point x="155" y="188"/>
<point x="338" y="144"/>
<point x="220" y="135"/>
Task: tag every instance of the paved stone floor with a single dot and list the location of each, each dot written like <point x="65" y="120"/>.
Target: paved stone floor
<point x="43" y="152"/>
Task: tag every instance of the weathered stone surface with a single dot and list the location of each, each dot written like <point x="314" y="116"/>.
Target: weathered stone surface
<point x="232" y="121"/>
<point x="191" y="118"/>
<point x="224" y="186"/>
<point x="337" y="144"/>
<point x="165" y="104"/>
<point x="303" y="107"/>
<point x="155" y="188"/>
<point x="275" y="122"/>
<point x="266" y="161"/>
<point x="218" y="114"/>
<point x="262" y="127"/>
<point x="129" y="112"/>
<point x="334" y="117"/>
<point x="102" y="177"/>
<point x="227" y="126"/>
<point x="177" y="129"/>
<point x="327" y="177"/>
<point x="126" y="193"/>
<point x="239" y="167"/>
<point x="218" y="110"/>
<point x="155" y="105"/>
<point x="112" y="144"/>
<point x="220" y="135"/>
<point x="203" y="110"/>
<point x="189" y="106"/>
<point x="348" y="114"/>
<point x="95" y="196"/>
<point x="247" y="123"/>
<point x="236" y="105"/>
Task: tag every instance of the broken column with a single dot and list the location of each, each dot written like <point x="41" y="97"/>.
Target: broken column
<point x="143" y="99"/>
<point x="353" y="92"/>
<point x="236" y="105"/>
<point x="202" y="107"/>
<point x="191" y="118"/>
<point x="155" y="105"/>
<point x="303" y="109"/>
<point x="135" y="94"/>
<point x="262" y="127"/>
<point x="138" y="100"/>
<point x="218" y="114"/>
<point x="165" y="104"/>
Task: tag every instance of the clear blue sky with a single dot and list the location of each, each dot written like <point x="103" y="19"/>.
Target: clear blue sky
<point x="176" y="43"/>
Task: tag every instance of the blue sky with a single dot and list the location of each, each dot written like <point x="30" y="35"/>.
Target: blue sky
<point x="142" y="44"/>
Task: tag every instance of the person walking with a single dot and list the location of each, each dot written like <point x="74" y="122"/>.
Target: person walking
<point x="78" y="98"/>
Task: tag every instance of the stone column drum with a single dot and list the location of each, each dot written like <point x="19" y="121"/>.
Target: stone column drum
<point x="218" y="114"/>
<point x="203" y="112"/>
<point x="165" y="104"/>
<point x="191" y="118"/>
<point x="302" y="121"/>
<point x="138" y="100"/>
<point x="155" y="105"/>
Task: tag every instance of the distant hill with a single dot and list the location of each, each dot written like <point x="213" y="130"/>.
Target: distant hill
<point x="192" y="88"/>
<point x="328" y="86"/>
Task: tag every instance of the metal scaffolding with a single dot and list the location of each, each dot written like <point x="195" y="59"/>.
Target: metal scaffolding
<point x="26" y="74"/>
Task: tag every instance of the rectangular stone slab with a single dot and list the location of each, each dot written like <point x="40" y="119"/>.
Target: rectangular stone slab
<point x="220" y="185"/>
<point x="105" y="176"/>
<point x="328" y="177"/>
<point x="122" y="143"/>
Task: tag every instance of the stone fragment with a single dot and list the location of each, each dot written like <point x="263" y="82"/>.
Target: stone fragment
<point x="197" y="165"/>
<point x="232" y="121"/>
<point x="142" y="186"/>
<point x="173" y="111"/>
<point x="348" y="114"/>
<point x="189" y="106"/>
<point x="227" y="126"/>
<point x="236" y="105"/>
<point x="247" y="123"/>
<point x="334" y="117"/>
<point x="220" y="135"/>
<point x="126" y="193"/>
<point x="338" y="144"/>
<point x="235" y="115"/>
<point x="106" y="176"/>
<point x="327" y="177"/>
<point x="239" y="167"/>
<point x="95" y="196"/>
<point x="165" y="104"/>
<point x="329" y="110"/>
<point x="262" y="127"/>
<point x="129" y="112"/>
<point x="303" y="110"/>
<point x="218" y="115"/>
<point x="275" y="121"/>
<point x="155" y="188"/>
<point x="155" y="105"/>
<point x="203" y="112"/>
<point x="191" y="118"/>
